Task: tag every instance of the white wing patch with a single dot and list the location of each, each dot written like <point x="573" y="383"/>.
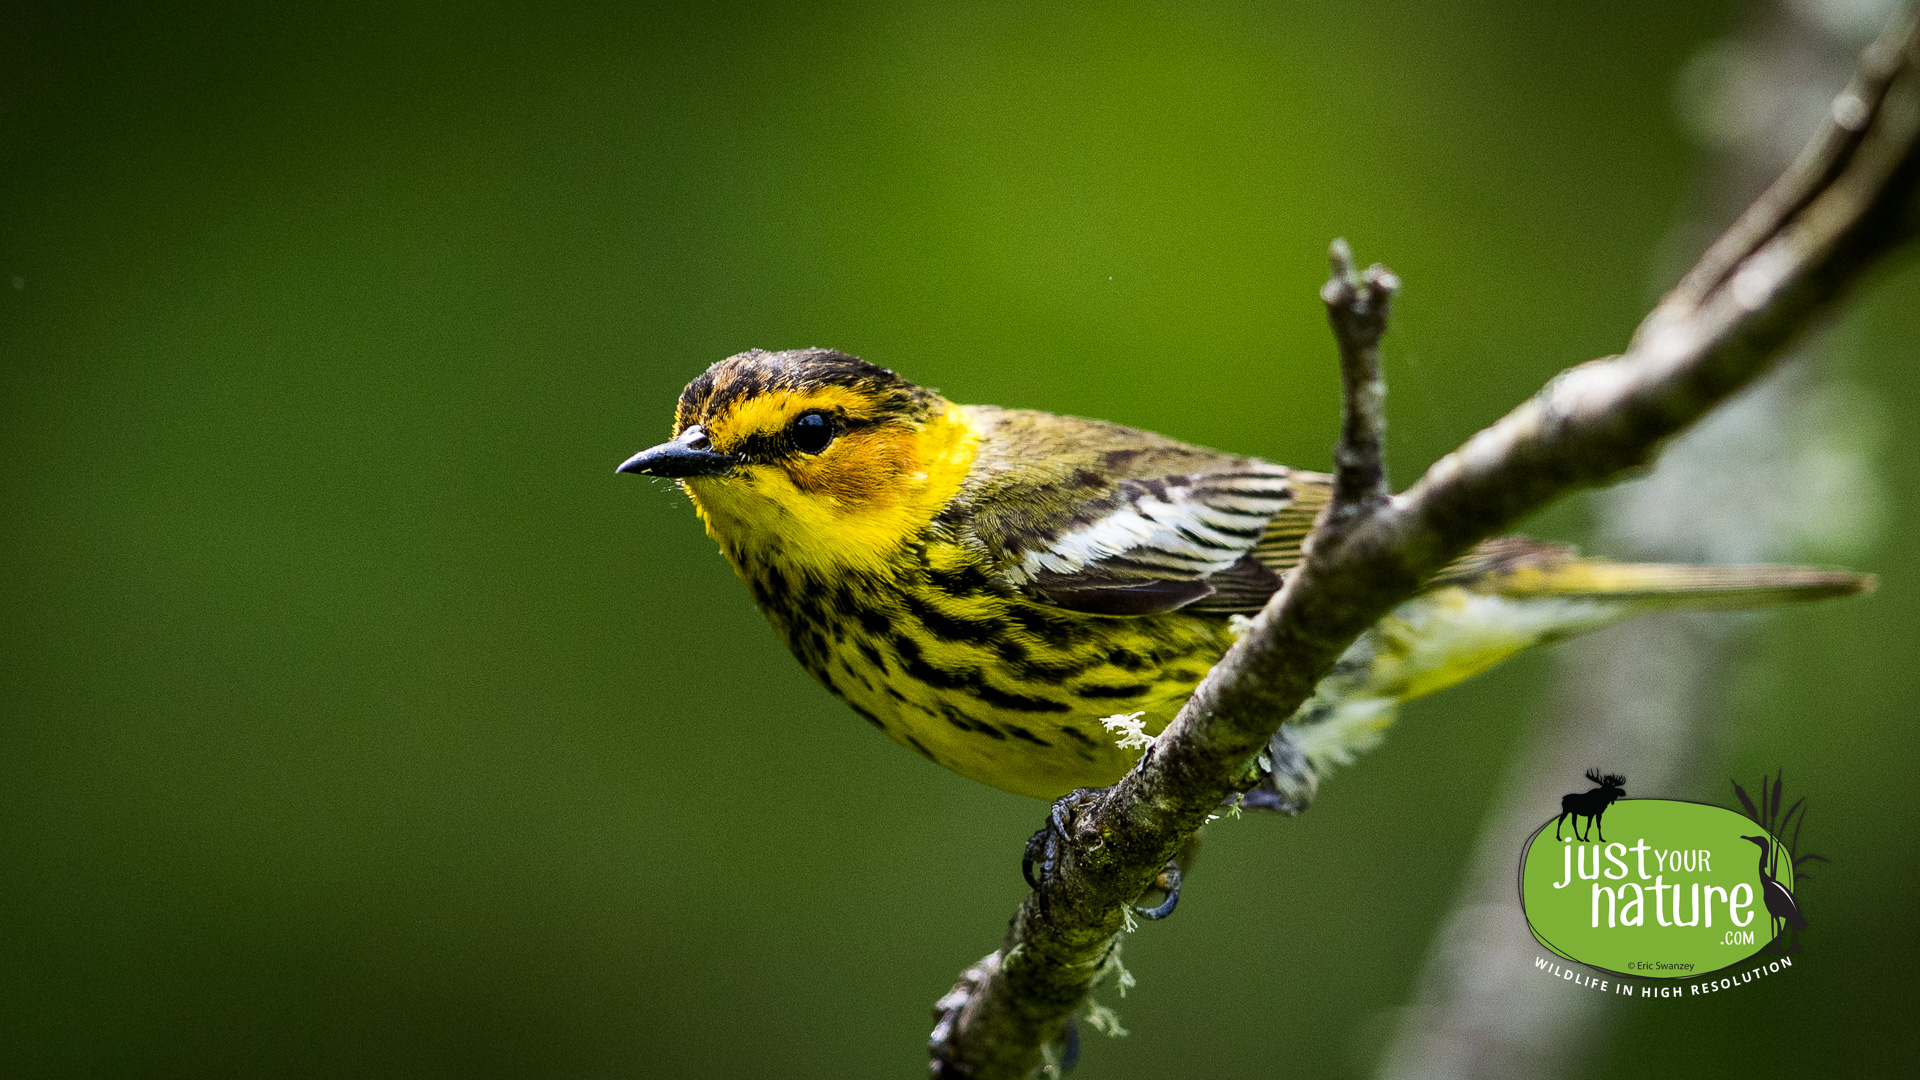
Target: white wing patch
<point x="1190" y="528"/>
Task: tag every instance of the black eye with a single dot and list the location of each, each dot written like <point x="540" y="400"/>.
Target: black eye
<point x="811" y="432"/>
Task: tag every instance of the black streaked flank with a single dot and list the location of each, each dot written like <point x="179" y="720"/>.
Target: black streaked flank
<point x="924" y="752"/>
<point x="776" y="582"/>
<point x="1078" y="736"/>
<point x="1061" y="629"/>
<point x="873" y="620"/>
<point x="947" y="626"/>
<point x="852" y="674"/>
<point x="968" y="580"/>
<point x="1136" y="690"/>
<point x="971" y="723"/>
<point x="1054" y="674"/>
<point x="994" y="696"/>
<point x="968" y="681"/>
<point x="916" y="666"/>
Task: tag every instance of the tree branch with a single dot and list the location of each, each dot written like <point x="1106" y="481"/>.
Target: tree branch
<point x="1849" y="200"/>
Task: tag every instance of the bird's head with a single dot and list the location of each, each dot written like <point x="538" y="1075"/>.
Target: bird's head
<point x="811" y="456"/>
<point x="1761" y="840"/>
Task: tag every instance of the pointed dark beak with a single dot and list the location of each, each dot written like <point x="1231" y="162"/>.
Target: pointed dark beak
<point x="691" y="454"/>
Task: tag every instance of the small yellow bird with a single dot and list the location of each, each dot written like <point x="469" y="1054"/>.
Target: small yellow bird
<point x="1001" y="590"/>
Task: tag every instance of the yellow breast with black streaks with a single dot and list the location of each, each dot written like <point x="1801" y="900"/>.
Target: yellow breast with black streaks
<point x="982" y="681"/>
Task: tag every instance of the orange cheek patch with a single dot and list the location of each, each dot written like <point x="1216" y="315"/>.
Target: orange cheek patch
<point x="863" y="469"/>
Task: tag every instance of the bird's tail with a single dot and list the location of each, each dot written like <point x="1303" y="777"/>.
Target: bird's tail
<point x="1523" y="569"/>
<point x="1504" y="596"/>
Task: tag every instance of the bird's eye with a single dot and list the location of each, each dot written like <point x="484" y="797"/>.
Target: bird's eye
<point x="811" y="432"/>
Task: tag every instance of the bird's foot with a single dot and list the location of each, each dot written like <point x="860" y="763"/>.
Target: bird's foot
<point x="1260" y="797"/>
<point x="1169" y="883"/>
<point x="1287" y="782"/>
<point x="1044" y="848"/>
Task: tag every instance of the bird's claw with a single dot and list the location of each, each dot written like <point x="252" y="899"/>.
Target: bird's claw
<point x="1168" y="882"/>
<point x="1287" y="782"/>
<point x="1044" y="847"/>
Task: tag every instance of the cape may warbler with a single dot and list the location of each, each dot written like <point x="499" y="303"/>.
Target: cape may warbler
<point x="985" y="585"/>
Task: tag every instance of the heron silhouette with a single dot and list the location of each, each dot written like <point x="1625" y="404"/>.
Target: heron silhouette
<point x="1780" y="902"/>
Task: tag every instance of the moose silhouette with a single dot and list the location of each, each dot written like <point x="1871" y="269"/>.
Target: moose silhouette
<point x="1590" y="804"/>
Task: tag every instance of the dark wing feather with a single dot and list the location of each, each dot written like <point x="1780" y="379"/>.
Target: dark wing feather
<point x="1095" y="517"/>
<point x="1146" y="598"/>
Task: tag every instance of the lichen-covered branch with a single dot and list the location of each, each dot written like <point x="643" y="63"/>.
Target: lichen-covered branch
<point x="1847" y="202"/>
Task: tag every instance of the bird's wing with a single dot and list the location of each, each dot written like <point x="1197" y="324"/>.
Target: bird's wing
<point x="1095" y="517"/>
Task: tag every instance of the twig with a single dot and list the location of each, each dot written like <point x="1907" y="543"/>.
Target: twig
<point x="1848" y="202"/>
<point x="1357" y="309"/>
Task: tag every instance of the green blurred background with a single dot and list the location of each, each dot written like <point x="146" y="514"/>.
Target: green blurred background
<point x="356" y="720"/>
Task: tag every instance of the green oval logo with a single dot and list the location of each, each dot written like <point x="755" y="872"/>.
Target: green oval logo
<point x="1675" y="889"/>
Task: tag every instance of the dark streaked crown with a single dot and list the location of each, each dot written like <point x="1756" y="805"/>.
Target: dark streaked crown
<point x="755" y="372"/>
